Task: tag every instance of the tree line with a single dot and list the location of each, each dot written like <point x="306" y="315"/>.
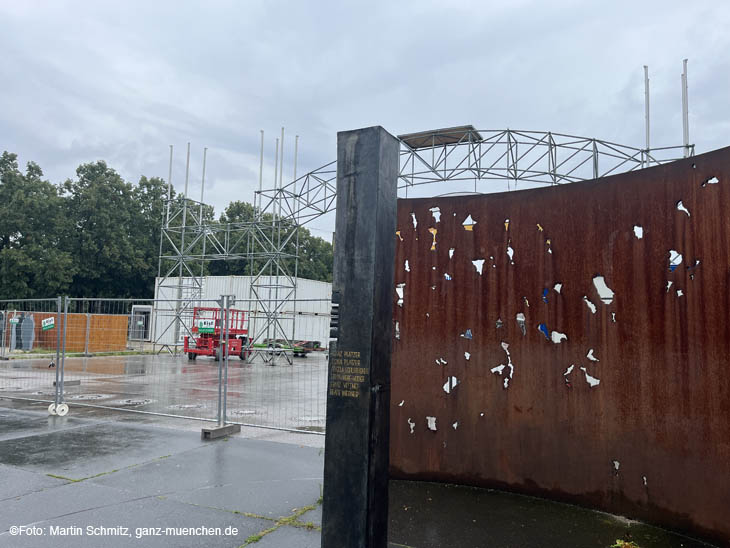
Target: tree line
<point x="97" y="235"/>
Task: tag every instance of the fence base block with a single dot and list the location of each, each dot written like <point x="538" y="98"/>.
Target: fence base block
<point x="219" y="431"/>
<point x="69" y="383"/>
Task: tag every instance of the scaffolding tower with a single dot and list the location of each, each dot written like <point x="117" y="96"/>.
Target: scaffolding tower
<point x="460" y="159"/>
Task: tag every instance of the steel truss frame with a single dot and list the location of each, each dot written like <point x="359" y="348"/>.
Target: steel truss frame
<point x="466" y="159"/>
<point x="469" y="159"/>
<point x="268" y="244"/>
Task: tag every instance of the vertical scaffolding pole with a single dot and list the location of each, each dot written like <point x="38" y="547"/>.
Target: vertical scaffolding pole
<point x="169" y="190"/>
<point x="202" y="186"/>
<point x="181" y="255"/>
<point x="647" y="154"/>
<point x="202" y="224"/>
<point x="277" y="252"/>
<point x="166" y="218"/>
<point x="296" y="152"/>
<point x="273" y="224"/>
<point x="685" y="110"/>
<point x="276" y="165"/>
<point x="281" y="163"/>
<point x="257" y="213"/>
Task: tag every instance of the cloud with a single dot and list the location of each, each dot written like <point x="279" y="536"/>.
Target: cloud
<point x="85" y="81"/>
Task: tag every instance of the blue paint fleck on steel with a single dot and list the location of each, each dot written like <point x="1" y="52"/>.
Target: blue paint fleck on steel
<point x="545" y="294"/>
<point x="544" y="330"/>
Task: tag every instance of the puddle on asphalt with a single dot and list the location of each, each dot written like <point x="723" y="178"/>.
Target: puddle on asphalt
<point x="130" y="402"/>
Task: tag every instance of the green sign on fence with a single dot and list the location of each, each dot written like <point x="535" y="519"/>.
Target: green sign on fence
<point x="48" y="323"/>
<point x="14" y="321"/>
<point x="206" y="326"/>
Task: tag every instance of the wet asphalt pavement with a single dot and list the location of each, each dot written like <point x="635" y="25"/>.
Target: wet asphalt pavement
<point x="282" y="395"/>
<point x="151" y="477"/>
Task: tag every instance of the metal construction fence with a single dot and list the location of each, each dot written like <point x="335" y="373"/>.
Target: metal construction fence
<point x="32" y="327"/>
<point x="108" y="353"/>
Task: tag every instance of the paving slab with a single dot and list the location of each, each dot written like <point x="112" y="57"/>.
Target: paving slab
<point x="150" y="514"/>
<point x="266" y="478"/>
<point x="93" y="449"/>
<point x="17" y="482"/>
<point x="58" y="501"/>
<point x="211" y="483"/>
<point x="15" y="424"/>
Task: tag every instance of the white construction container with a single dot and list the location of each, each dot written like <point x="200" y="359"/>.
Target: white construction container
<point x="304" y="312"/>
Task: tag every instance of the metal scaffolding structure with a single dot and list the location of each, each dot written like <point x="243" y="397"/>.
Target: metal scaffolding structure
<point x="268" y="245"/>
<point x="459" y="159"/>
<point x="471" y="160"/>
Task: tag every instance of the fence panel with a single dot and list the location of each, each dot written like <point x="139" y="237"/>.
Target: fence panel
<point x="121" y="367"/>
<point x="30" y="345"/>
<point x="283" y="383"/>
<point x="130" y="354"/>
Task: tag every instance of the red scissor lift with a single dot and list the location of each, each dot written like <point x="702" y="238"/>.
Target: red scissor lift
<point x="207" y="334"/>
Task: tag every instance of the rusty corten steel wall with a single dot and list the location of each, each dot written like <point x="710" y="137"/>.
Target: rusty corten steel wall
<point x="644" y="429"/>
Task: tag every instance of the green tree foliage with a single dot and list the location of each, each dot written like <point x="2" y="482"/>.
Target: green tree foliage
<point x="314" y="253"/>
<point x="315" y="257"/>
<point x="108" y="234"/>
<point x="33" y="262"/>
<point x="98" y="236"/>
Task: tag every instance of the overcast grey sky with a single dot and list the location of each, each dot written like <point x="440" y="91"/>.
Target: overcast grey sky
<point x="87" y="80"/>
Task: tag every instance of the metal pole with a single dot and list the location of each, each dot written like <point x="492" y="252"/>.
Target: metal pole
<point x="281" y="160"/>
<point x="273" y="221"/>
<point x="187" y="172"/>
<point x="261" y="177"/>
<point x="685" y="110"/>
<point x="296" y="282"/>
<point x="178" y="323"/>
<point x="86" y="338"/>
<point x="202" y="186"/>
<point x="227" y="352"/>
<point x="252" y="315"/>
<point x="205" y="234"/>
<point x="59" y="385"/>
<point x="58" y="344"/>
<point x="169" y="190"/>
<point x="220" y="363"/>
<point x="277" y="231"/>
<point x="646" y="112"/>
<point x="4" y="332"/>
<point x="281" y="175"/>
<point x="276" y="164"/>
<point x="296" y="152"/>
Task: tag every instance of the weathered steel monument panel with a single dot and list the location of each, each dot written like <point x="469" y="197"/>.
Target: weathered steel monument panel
<point x="572" y="342"/>
<point x="355" y="501"/>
